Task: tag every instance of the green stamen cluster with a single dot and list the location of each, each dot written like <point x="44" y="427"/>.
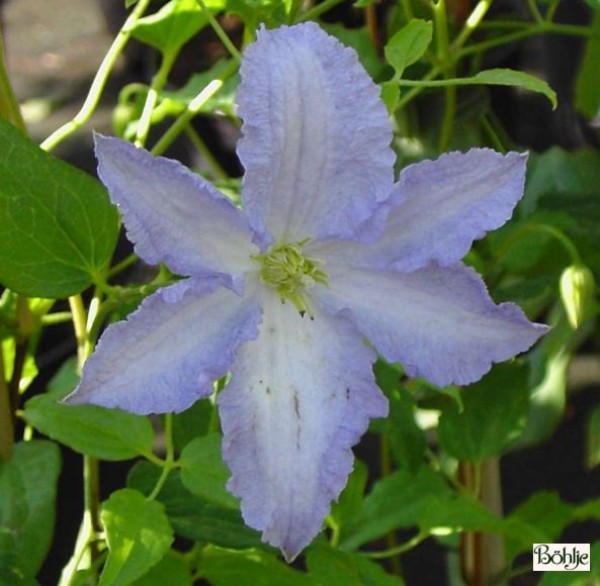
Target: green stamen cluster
<point x="285" y="268"/>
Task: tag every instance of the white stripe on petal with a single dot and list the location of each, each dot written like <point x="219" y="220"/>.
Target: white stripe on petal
<point x="301" y="395"/>
<point x="316" y="137"/>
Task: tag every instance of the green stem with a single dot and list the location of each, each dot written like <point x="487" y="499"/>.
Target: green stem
<point x="193" y="108"/>
<point x="91" y="499"/>
<point x="334" y="540"/>
<point x="455" y="81"/>
<point x="558" y="235"/>
<point x="295" y="6"/>
<point x="417" y="89"/>
<point x="440" y="17"/>
<point x="527" y="31"/>
<point x="447" y="128"/>
<point x="6" y="415"/>
<point x="535" y="11"/>
<point x="154" y="459"/>
<point x="59" y="317"/>
<point x="476" y="488"/>
<point x="79" y="317"/>
<point x="551" y="27"/>
<point x="399" y="549"/>
<point x="546" y="28"/>
<point x="418" y="83"/>
<point x="214" y="23"/>
<point x="551" y="10"/>
<point x="169" y="462"/>
<point x="9" y="106"/>
<point x="24" y="333"/>
<point x="91" y="325"/>
<point x="121" y="266"/>
<point x="472" y="23"/>
<point x="408" y="11"/>
<point x="505" y="25"/>
<point x="489" y="129"/>
<point x="158" y="83"/>
<point x="99" y="82"/>
<point x="91" y="526"/>
<point x="317" y="10"/>
<point x="385" y="460"/>
<point x="217" y="171"/>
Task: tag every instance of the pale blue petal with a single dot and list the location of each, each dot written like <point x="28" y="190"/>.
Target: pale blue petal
<point x="446" y="204"/>
<point x="168" y="352"/>
<point x="438" y="322"/>
<point x="316" y="137"/>
<point x="173" y="215"/>
<point x="301" y="395"/>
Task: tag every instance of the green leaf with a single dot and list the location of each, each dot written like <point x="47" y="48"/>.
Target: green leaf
<point x="12" y="573"/>
<point x="258" y="568"/>
<point x="65" y="380"/>
<point x="588" y="510"/>
<point x="593" y="439"/>
<point x="399" y="500"/>
<point x="557" y="174"/>
<point x="510" y="77"/>
<point x="331" y="567"/>
<point x="422" y="500"/>
<point x="587" y="89"/>
<point x="192" y="423"/>
<point x="30" y="370"/>
<point x="546" y="513"/>
<point x="459" y="512"/>
<point x="107" y="434"/>
<point x="204" y="473"/>
<point x="408" y="45"/>
<point x="495" y="413"/>
<point x="174" y="24"/>
<point x="567" y="183"/>
<point x="130" y="3"/>
<point x="59" y="229"/>
<point x="521" y="244"/>
<point x="171" y="570"/>
<point x="350" y="501"/>
<point x="192" y="517"/>
<point x="28" y="484"/>
<point x="138" y="535"/>
<point x="407" y="441"/>
<point x="547" y="399"/>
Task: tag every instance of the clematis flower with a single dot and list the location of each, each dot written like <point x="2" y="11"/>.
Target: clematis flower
<point x="326" y="254"/>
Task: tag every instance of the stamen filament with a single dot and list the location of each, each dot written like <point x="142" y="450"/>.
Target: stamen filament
<point x="286" y="269"/>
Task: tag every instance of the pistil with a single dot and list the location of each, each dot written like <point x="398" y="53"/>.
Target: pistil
<point x="285" y="268"/>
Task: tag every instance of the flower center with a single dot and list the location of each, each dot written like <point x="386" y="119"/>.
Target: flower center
<point x="285" y="268"/>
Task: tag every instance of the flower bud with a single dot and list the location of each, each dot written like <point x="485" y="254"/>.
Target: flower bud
<point x="577" y="292"/>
